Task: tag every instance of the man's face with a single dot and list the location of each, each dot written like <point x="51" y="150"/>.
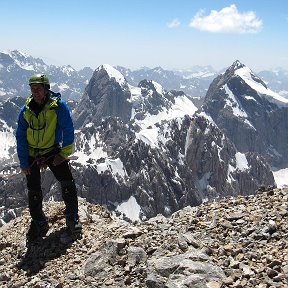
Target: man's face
<point x="38" y="93"/>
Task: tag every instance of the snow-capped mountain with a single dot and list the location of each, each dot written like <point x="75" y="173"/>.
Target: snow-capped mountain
<point x="155" y="149"/>
<point x="193" y="82"/>
<point x="146" y="145"/>
<point x="249" y="113"/>
<point x="17" y="67"/>
<point x="109" y="94"/>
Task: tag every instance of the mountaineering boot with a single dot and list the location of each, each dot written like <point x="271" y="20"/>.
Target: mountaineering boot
<point x="37" y="229"/>
<point x="72" y="223"/>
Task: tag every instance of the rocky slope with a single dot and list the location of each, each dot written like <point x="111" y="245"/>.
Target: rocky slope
<point x="236" y="242"/>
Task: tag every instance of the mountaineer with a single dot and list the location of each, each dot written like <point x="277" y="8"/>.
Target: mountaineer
<point x="45" y="137"/>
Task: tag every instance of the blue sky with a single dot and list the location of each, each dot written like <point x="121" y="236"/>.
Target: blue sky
<point x="173" y="34"/>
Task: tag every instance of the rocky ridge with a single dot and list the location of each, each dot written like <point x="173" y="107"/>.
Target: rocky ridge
<point x="233" y="242"/>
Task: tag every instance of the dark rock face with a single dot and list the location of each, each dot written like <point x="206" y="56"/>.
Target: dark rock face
<point x="149" y="175"/>
<point x="103" y="97"/>
<point x="219" y="167"/>
<point x="193" y="161"/>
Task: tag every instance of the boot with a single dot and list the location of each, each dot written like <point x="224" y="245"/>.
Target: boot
<point x="73" y="224"/>
<point x="37" y="229"/>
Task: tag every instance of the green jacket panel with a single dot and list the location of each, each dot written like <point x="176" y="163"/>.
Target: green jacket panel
<point x="41" y="128"/>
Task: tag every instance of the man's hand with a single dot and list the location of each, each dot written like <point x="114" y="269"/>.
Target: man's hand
<point x="58" y="159"/>
<point x="26" y="171"/>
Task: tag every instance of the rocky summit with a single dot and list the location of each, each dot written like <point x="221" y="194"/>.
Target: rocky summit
<point x="233" y="242"/>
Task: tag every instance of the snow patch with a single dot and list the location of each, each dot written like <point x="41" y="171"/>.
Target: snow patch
<point x="130" y="208"/>
<point x="281" y="177"/>
<point x="115" y="166"/>
<point x="113" y="73"/>
<point x="149" y="137"/>
<point x="7" y="141"/>
<point x="182" y="106"/>
<point x="241" y="161"/>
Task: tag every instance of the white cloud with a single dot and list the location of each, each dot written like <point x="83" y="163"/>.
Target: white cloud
<point x="227" y="20"/>
<point x="174" y="23"/>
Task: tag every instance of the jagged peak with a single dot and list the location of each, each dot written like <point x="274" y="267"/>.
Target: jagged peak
<point x="150" y="84"/>
<point x="113" y="73"/>
<point x="247" y="76"/>
<point x="17" y="54"/>
<point x="13" y="53"/>
<point x="237" y="65"/>
<point x="24" y="60"/>
<point x="251" y="79"/>
<point x="158" y="69"/>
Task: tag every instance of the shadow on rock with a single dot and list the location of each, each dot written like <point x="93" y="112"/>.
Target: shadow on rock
<point x="43" y="250"/>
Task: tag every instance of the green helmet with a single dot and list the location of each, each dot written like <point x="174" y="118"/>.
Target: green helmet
<point x="39" y="79"/>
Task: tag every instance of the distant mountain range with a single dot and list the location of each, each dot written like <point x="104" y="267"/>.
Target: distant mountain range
<point x="16" y="67"/>
<point x="151" y="146"/>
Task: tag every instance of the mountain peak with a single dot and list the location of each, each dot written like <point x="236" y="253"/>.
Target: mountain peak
<point x="25" y="61"/>
<point x="231" y="71"/>
<point x="153" y="85"/>
<point x="237" y="65"/>
<point x="17" y="53"/>
<point x="112" y="73"/>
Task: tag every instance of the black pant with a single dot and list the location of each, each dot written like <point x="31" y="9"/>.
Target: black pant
<point x="62" y="173"/>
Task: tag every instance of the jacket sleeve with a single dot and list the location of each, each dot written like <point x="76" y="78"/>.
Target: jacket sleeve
<point x="21" y="140"/>
<point x="66" y="125"/>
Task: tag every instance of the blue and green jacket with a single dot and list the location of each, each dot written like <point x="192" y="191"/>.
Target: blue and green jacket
<point x="40" y="132"/>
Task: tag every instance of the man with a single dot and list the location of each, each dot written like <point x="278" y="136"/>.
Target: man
<point x="45" y="136"/>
